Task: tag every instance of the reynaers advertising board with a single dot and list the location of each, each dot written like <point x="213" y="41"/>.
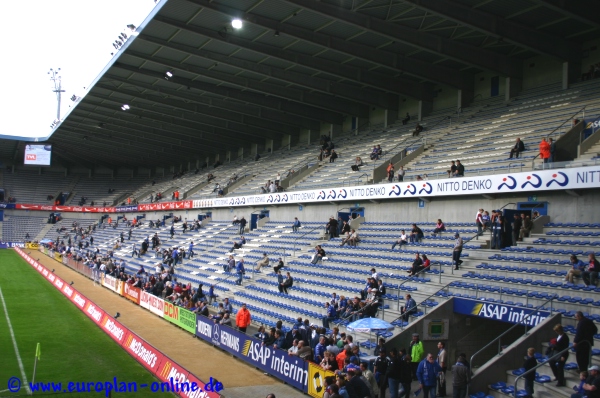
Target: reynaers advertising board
<point x="290" y="369"/>
<point x="499" y="312"/>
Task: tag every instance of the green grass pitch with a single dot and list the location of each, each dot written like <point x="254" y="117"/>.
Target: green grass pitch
<point x="73" y="348"/>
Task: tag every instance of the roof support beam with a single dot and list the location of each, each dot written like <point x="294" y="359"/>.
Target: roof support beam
<point x="362" y="95"/>
<point x="586" y="11"/>
<point x="452" y="49"/>
<point x="516" y="33"/>
<point x="198" y="109"/>
<point x="293" y="94"/>
<point x="250" y="97"/>
<point x="232" y="108"/>
<point x="204" y="122"/>
<point x="377" y="80"/>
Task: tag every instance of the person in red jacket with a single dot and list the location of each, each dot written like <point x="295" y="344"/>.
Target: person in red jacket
<point x="242" y="318"/>
<point x="545" y="150"/>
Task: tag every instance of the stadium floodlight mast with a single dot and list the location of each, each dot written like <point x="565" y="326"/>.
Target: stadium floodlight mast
<point x="56" y="79"/>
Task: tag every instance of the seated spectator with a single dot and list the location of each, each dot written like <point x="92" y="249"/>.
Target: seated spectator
<point x="373" y="155"/>
<point x="525" y="228"/>
<point x="319" y="254"/>
<point x="591" y="275"/>
<point x="577" y="268"/>
<point x="357" y="163"/>
<point x="261" y="334"/>
<point x="439" y="227"/>
<point x="452" y="169"/>
<point x="379" y="151"/>
<point x="406" y="119"/>
<point x="352" y="238"/>
<point x="517" y="149"/>
<point x="403" y="240"/>
<point x="227" y="267"/>
<point x="304" y="351"/>
<point x="238" y="244"/>
<point x="293" y="350"/>
<point x="417" y="265"/>
<point x="460" y="170"/>
<point x="417" y="131"/>
<point x="333" y="156"/>
<point x="287" y="283"/>
<point x="416" y="235"/>
<point x="226" y="319"/>
<point x="419" y="178"/>
<point x="262" y="263"/>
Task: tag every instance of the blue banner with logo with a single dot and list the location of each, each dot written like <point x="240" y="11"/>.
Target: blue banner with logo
<point x="499" y="312"/>
<point x="290" y="369"/>
<point x="7" y="205"/>
<point x="591" y="125"/>
<point x="126" y="209"/>
<point x="10" y="245"/>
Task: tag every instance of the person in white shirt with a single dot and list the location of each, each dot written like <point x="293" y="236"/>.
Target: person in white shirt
<point x="294" y="348"/>
<point x="403" y="240"/>
<point x="272" y="188"/>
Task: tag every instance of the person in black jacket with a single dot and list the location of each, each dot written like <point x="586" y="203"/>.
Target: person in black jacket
<point x="517" y="149"/>
<point x="360" y="387"/>
<point x="516" y="228"/>
<point x="394" y="373"/>
<point x="530" y="363"/>
<point x="558" y="364"/>
<point x="586" y="329"/>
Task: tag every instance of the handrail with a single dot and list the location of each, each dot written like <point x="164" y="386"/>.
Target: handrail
<point x="388" y="151"/>
<point x="514" y="326"/>
<point x="304" y="234"/>
<point x="421" y="303"/>
<point x="554" y="357"/>
<point x="359" y="178"/>
<point x="553" y="131"/>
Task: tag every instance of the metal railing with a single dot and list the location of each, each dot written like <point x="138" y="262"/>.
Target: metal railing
<point x="552" y="358"/>
<point x="406" y="310"/>
<point x="555" y="130"/>
<point x="301" y="236"/>
<point x="521" y="323"/>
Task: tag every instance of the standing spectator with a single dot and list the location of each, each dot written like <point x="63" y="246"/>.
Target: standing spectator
<point x="516" y="228"/>
<point x="530" y="363"/>
<point x="517" y="149"/>
<point x="584" y="340"/>
<point x="495" y="222"/>
<point x="427" y="373"/>
<point x="332" y="227"/>
<point x="380" y="369"/>
<point x="544" y="150"/>
<point x="458" y="245"/>
<point x="331" y="315"/>
<point x="442" y="360"/>
<point x="525" y="228"/>
<point x="479" y="222"/>
<point x="240" y="270"/>
<point x="243" y="223"/>
<point x="390" y="171"/>
<point x="452" y="170"/>
<point x="401" y="173"/>
<point x="558" y="364"/>
<point x="461" y="377"/>
<point x="394" y="373"/>
<point x="296" y="225"/>
<point x="591" y="275"/>
<point x="416" y="354"/>
<point x="242" y="318"/>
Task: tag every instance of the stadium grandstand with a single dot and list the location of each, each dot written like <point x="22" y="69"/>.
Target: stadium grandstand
<point x="429" y="166"/>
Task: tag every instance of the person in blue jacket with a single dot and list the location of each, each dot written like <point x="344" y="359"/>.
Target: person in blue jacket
<point x="240" y="270"/>
<point x="427" y="373"/>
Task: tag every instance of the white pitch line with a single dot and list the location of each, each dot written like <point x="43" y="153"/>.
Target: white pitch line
<point x="12" y="335"/>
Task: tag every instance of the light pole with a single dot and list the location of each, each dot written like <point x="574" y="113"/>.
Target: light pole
<point x="56" y="79"/>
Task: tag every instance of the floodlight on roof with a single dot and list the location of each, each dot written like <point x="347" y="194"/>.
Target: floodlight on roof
<point x="168" y="74"/>
<point x="125" y="107"/>
<point x="237" y="23"/>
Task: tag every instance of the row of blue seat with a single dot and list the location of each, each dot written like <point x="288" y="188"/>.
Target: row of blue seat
<point x="515" y="268"/>
<point x="528" y="260"/>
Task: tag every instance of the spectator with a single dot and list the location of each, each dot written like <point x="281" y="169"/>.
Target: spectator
<point x="296" y="225"/>
<point x="352" y="238"/>
<point x="439" y="227"/>
<point x="331" y="227"/>
<point x="558" y="364"/>
<point x="238" y="244"/>
<point x="417" y="265"/>
<point x="526" y="228"/>
<point x="402" y="240"/>
<point x="591" y="275"/>
<point x="243" y="223"/>
<point x="517" y="149"/>
<point x="427" y="374"/>
<point x="460" y="170"/>
<point x="279" y="265"/>
<point x="243" y="318"/>
<point x="235" y="220"/>
<point x="545" y="150"/>
<point x="357" y="163"/>
<point x="331" y="315"/>
<point x="461" y="377"/>
<point x="584" y="339"/>
<point x="416" y="235"/>
<point x="486" y="220"/>
<point x="516" y="228"/>
<point x="410" y="307"/>
<point x="406" y="119"/>
<point x="577" y="268"/>
<point x="457" y="250"/>
<point x="401" y="174"/>
<point x="240" y="270"/>
<point x="417" y="130"/>
<point x="286" y="284"/>
<point x="530" y="363"/>
<point x="333" y="156"/>
<point x="262" y="263"/>
<point x="452" y="170"/>
<point x="390" y="171"/>
<point x="479" y="222"/>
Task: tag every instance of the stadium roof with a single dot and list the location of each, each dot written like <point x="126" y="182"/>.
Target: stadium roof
<point x="294" y="64"/>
